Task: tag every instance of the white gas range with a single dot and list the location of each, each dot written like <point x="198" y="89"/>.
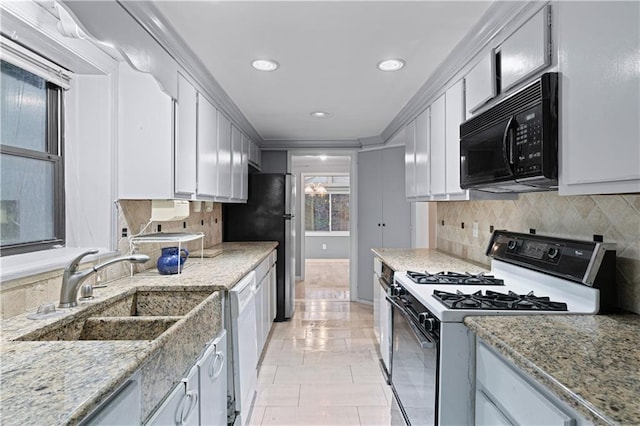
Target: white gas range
<point x="433" y="352"/>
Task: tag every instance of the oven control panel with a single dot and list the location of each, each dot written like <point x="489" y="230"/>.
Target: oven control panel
<point x="570" y="259"/>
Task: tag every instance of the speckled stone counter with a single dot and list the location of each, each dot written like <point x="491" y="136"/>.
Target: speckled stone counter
<point x="590" y="362"/>
<point x="425" y="259"/>
<point x="60" y="382"/>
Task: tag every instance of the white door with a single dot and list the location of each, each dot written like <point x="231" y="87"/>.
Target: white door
<point x="212" y="368"/>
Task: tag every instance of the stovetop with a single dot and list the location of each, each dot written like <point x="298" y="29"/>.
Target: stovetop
<point x="494" y="300"/>
<point x="454" y="278"/>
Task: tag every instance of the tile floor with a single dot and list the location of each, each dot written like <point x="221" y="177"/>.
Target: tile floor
<point x="321" y="367"/>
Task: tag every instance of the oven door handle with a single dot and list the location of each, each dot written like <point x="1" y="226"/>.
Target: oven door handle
<point x="420" y="336"/>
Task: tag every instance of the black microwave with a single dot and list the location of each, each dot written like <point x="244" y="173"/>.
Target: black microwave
<point x="513" y="146"/>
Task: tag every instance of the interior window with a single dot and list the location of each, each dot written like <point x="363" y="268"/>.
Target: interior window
<point x="31" y="163"/>
<point x="326" y="203"/>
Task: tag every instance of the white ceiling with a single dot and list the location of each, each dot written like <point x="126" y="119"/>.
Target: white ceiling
<point x="328" y="51"/>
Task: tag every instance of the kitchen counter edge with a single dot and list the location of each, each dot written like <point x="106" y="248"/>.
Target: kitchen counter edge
<point x="590" y="362"/>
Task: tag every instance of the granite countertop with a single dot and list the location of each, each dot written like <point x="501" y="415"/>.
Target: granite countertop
<point x="426" y="259"/>
<point x="591" y="362"/>
<point x="60" y="382"/>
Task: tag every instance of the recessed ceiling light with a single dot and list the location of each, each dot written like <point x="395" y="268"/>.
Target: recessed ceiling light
<point x="320" y="114"/>
<point x="265" y="65"/>
<point x="391" y="64"/>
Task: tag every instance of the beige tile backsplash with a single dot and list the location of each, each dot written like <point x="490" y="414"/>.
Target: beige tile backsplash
<point x="26" y="294"/>
<point x="615" y="217"/>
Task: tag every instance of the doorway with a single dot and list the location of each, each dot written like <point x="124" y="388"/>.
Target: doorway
<point x="325" y="225"/>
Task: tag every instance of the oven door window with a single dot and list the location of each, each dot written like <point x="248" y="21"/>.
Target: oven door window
<point x="484" y="156"/>
<point x="414" y="372"/>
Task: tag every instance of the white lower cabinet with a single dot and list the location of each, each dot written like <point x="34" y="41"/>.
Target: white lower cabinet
<point x="122" y="407"/>
<point x="505" y="395"/>
<point x="265" y="298"/>
<point x="200" y="398"/>
<point x="181" y="406"/>
<point x="212" y="372"/>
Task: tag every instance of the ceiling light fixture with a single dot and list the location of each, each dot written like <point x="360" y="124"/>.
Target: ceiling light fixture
<point x="265" y="65"/>
<point x="391" y="64"/>
<point x="320" y="114"/>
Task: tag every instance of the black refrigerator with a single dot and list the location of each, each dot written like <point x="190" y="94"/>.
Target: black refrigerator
<point x="268" y="215"/>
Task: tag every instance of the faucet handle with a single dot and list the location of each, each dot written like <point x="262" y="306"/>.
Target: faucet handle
<point x="73" y="265"/>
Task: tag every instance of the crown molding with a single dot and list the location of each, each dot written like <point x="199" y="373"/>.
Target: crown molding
<point x="273" y="144"/>
<point x="498" y="19"/>
<point x="154" y="23"/>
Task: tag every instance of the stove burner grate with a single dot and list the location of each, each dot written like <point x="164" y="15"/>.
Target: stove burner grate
<point x="498" y="301"/>
<point x="454" y="278"/>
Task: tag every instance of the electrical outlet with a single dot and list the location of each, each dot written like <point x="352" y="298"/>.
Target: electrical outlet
<point x="475" y="230"/>
<point x="324" y="246"/>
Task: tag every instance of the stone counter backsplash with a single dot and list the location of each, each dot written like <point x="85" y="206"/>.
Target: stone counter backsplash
<point x="615" y="217"/>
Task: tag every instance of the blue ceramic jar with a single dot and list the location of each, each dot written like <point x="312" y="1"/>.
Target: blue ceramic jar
<point x="172" y="260"/>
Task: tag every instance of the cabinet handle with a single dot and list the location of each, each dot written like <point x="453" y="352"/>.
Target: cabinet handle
<point x="384" y="224"/>
<point x="379" y="224"/>
<point x="187" y="404"/>
<point x="213" y="371"/>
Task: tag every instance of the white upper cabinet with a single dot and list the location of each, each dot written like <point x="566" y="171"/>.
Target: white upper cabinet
<point x="481" y="83"/>
<point x="185" y="144"/>
<point x="526" y="51"/>
<point x="207" y="149"/>
<point x="236" y="163"/>
<point x="244" y="190"/>
<point x="423" y="154"/>
<point x="454" y="115"/>
<point x="224" y="156"/>
<point x="145" y="137"/>
<point x="255" y="155"/>
<point x="598" y="46"/>
<point x="438" y="147"/>
<point x="410" y="159"/>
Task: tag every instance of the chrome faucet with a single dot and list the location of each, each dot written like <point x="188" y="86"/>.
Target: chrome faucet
<point x="72" y="278"/>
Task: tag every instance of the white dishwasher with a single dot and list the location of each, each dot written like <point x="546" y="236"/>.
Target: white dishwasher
<point x="244" y="338"/>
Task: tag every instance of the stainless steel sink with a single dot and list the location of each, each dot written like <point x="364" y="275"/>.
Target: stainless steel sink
<point x="142" y="315"/>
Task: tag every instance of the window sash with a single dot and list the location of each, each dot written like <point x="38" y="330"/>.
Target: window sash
<point x="54" y="150"/>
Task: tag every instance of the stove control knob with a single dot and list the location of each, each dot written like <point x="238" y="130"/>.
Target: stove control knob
<point x="396" y="291"/>
<point x="512" y="244"/>
<point x="430" y="324"/>
<point x="553" y="253"/>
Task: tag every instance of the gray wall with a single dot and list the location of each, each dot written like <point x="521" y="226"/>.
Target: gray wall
<point x="274" y="161"/>
<point x="336" y="247"/>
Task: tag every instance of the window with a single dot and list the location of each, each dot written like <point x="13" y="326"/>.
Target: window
<point x="31" y="162"/>
<point x="327" y="203"/>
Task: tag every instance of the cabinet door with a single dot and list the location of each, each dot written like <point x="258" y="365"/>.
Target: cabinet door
<point x="519" y="399"/>
<point x="207" y="148"/>
<point x="236" y="163"/>
<point x="454" y="115"/>
<point x="145" y="117"/>
<point x="123" y="407"/>
<point x="244" y="192"/>
<point x="212" y="371"/>
<point x="396" y="214"/>
<point x="185" y="144"/>
<point x="481" y="83"/>
<point x="224" y="156"/>
<point x="410" y="159"/>
<point x="273" y="280"/>
<point x="600" y="97"/>
<point x="181" y="407"/>
<point x="370" y="214"/>
<point x="423" y="154"/>
<point x="526" y="51"/>
<point x="438" y="149"/>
